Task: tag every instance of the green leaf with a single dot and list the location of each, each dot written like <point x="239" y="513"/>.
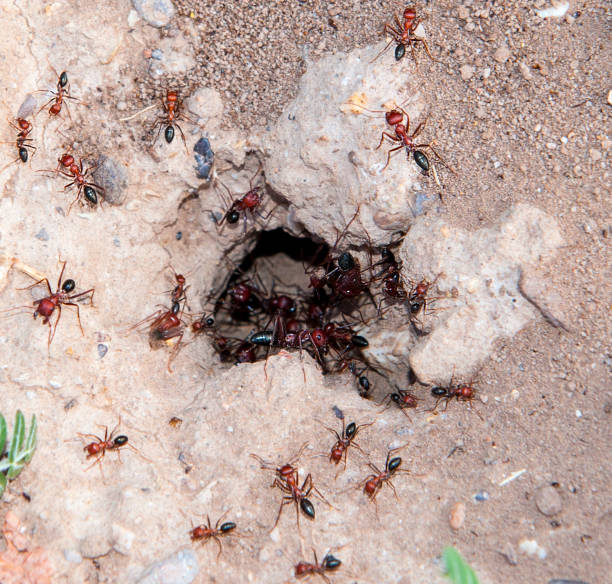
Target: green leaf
<point x="30" y="445"/>
<point x="2" y="434"/>
<point x="18" y="434"/>
<point x="2" y="484"/>
<point x="457" y="569"/>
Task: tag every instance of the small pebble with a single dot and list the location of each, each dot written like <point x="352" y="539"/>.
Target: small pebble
<point x="54" y="384"/>
<point x="502" y="54"/>
<point x="102" y="350"/>
<point x="113" y="177"/>
<point x="204" y="157"/>
<point x="467" y="72"/>
<point x="179" y="235"/>
<point x="338" y="413"/>
<point x="610" y="97"/>
<point x="481" y="496"/>
<point x="157" y="54"/>
<point x="595" y="154"/>
<point x="532" y="548"/>
<point x="42" y="235"/>
<point x="73" y="556"/>
<point x="548" y="501"/>
<point x="510" y="555"/>
<point x="122" y="539"/>
<point x="525" y="72"/>
<point x="179" y="568"/>
<point x="557" y="581"/>
<point x="157" y="13"/>
<point x="457" y="515"/>
<point x="132" y="18"/>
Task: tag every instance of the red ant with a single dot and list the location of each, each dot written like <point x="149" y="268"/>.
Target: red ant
<point x="374" y="482"/>
<point x="63" y="92"/>
<point x="172" y="112"/>
<point x="417" y="297"/>
<point x="403" y="35"/>
<point x="344" y="441"/>
<point x="393" y="288"/>
<point x="166" y="325"/>
<point x="75" y="171"/>
<point x="246" y="205"/>
<point x="464" y="392"/>
<point x="23" y="142"/>
<point x="287" y="480"/>
<point x="328" y="564"/>
<point x="403" y="399"/>
<point x="101" y="445"/>
<point x="46" y="306"/>
<point x="207" y="532"/>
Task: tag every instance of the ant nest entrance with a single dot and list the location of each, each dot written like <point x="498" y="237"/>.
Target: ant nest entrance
<point x="296" y="294"/>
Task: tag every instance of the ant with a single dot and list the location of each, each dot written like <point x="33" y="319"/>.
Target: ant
<point x="45" y="307"/>
<point x="75" y="171"/>
<point x="306" y="569"/>
<point x="165" y="325"/>
<point x="403" y="399"/>
<point x="63" y="92"/>
<point x="172" y="112"/>
<point x="403" y="35"/>
<point x="374" y="482"/>
<point x="464" y="392"/>
<point x="287" y="480"/>
<point x="344" y="441"/>
<point x="101" y="445"/>
<point x="393" y="288"/>
<point x="207" y="532"/>
<point x="245" y="205"/>
<point x="23" y="142"/>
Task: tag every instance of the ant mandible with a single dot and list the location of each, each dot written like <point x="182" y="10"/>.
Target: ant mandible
<point x="46" y="306"/>
<point x="403" y="34"/>
<point x="205" y="533"/>
<point x="75" y="171"/>
<point x="328" y="564"/>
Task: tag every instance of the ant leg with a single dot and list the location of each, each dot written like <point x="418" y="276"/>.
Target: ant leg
<point x="45" y="280"/>
<point x="418" y="39"/>
<point x="183" y="137"/>
<point x="418" y="131"/>
<point x="52" y="329"/>
<point x="392" y="488"/>
<point x="389" y="154"/>
<point x="216" y="538"/>
<point x="78" y="314"/>
<point x="59" y="280"/>
<point x="390" y="136"/>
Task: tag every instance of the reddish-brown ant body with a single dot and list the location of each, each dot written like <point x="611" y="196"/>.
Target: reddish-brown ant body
<point x="45" y="307"/>
<point x="403" y="399"/>
<point x="172" y="105"/>
<point x="63" y="92"/>
<point x="374" y="482"/>
<point x="328" y="564"/>
<point x="23" y="142"/>
<point x="403" y="34"/>
<point x="99" y="447"/>
<point x="68" y="167"/>
<point x="205" y="533"/>
<point x="344" y="441"/>
<point x="464" y="392"/>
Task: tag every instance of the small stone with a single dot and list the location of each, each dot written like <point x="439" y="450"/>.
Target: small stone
<point x="122" y="539"/>
<point x="73" y="556"/>
<point x="157" y="54"/>
<point x="457" y="515"/>
<point x="525" y="72"/>
<point x="502" y="54"/>
<point x="42" y="235"/>
<point x="595" y="156"/>
<point x="548" y="501"/>
<point x="179" y="568"/>
<point x="510" y="555"/>
<point x="102" y="350"/>
<point x="204" y="157"/>
<point x="113" y="177"/>
<point x="463" y="12"/>
<point x="157" y="13"/>
<point x="54" y="384"/>
<point x="563" y="581"/>
<point x="610" y="97"/>
<point x="532" y="548"/>
<point x="132" y="18"/>
<point x="467" y="72"/>
<point x="481" y="496"/>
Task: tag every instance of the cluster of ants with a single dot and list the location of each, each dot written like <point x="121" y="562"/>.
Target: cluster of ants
<point x="249" y="323"/>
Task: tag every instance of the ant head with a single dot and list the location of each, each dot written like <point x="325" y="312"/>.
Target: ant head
<point x="319" y="338"/>
<point x="63" y="79"/>
<point x="308" y="508"/>
<point x="330" y="562"/>
<point x="394" y="464"/>
<point x="393" y="118"/>
<point x="67" y="160"/>
<point x="232" y="216"/>
<point x="409" y="14"/>
<point x="351" y="430"/>
<point x="120" y="440"/>
<point x="395" y="397"/>
<point x="400" y="51"/>
<point x="90" y="195"/>
<point x="68" y="286"/>
<point x="346" y="262"/>
<point x="227" y="526"/>
<point x="169" y="134"/>
<point x="23" y="124"/>
<point x="197" y="533"/>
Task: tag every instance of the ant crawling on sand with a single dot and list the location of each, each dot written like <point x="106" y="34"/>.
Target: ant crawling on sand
<point x="63" y="92"/>
<point x="46" y="306"/>
<point x="68" y="167"/>
<point x="328" y="563"/>
<point x="345" y="440"/>
<point x="205" y="533"/>
<point x="172" y="105"/>
<point x="374" y="482"/>
<point x="403" y="33"/>
<point x="22" y="142"/>
<point x="99" y="447"/>
<point x="403" y="399"/>
<point x="463" y="392"/>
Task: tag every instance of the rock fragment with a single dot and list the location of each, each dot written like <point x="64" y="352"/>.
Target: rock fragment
<point x="179" y="568"/>
<point x="157" y="13"/>
<point x="457" y="515"/>
<point x="548" y="501"/>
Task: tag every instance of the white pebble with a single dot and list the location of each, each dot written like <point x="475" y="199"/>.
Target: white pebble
<point x="532" y="548"/>
<point x="578" y="414"/>
<point x="554" y="11"/>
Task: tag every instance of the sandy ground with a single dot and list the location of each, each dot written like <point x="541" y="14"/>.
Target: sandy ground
<point x="520" y="107"/>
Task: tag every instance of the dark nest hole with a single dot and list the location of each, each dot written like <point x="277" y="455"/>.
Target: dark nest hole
<point x="296" y="294"/>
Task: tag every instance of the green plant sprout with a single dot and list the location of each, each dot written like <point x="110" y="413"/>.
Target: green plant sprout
<point x="19" y="453"/>
<point x="457" y="569"/>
